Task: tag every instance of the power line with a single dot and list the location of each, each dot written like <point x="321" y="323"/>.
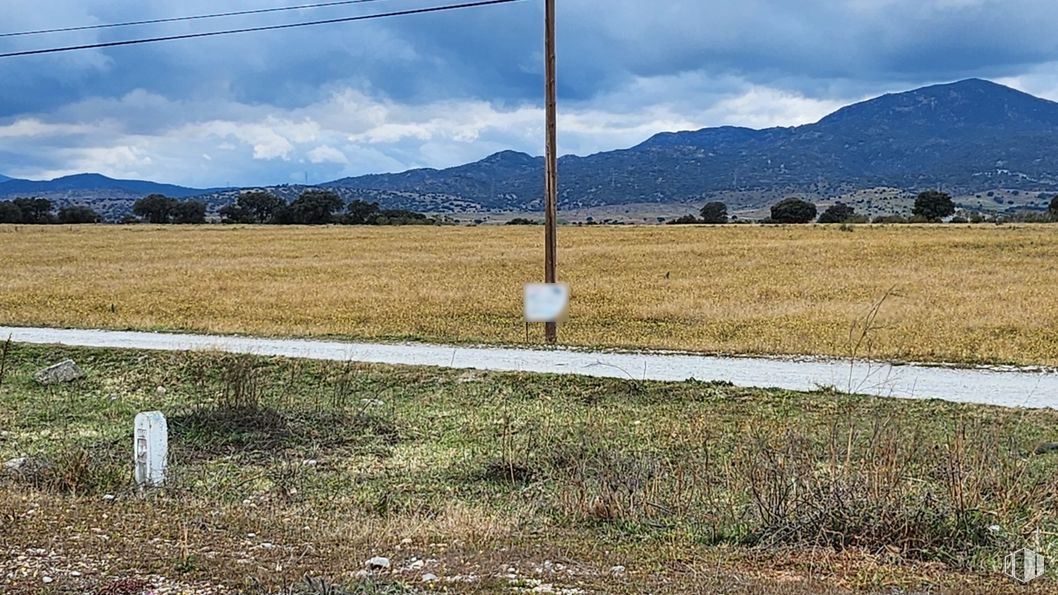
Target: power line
<point x="110" y="44"/>
<point x="179" y="19"/>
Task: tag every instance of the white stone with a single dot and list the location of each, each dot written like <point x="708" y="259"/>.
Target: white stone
<point x="66" y="371"/>
<point x="151" y="448"/>
<point x="617" y="571"/>
<point x="429" y="577"/>
<point x="377" y="563"/>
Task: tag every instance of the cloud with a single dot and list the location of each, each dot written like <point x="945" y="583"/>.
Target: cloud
<point x="442" y="89"/>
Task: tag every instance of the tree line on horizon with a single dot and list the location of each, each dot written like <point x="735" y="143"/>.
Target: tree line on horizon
<point x="312" y="207"/>
<point x="931" y="206"/>
<point x="325" y="207"/>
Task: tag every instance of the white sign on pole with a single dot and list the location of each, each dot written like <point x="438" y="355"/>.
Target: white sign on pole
<point x="151" y="448"/>
<point x="546" y="302"/>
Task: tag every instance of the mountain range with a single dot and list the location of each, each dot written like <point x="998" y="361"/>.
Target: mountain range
<point x="966" y="137"/>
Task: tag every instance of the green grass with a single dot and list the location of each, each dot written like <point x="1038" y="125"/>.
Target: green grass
<point x="691" y="485"/>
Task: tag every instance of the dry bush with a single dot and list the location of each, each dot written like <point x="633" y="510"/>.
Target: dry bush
<point x="881" y="486"/>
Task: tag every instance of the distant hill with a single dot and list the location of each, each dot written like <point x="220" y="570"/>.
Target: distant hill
<point x="972" y="138"/>
<point x="965" y="137"/>
<point x="4" y="178"/>
<point x="92" y="182"/>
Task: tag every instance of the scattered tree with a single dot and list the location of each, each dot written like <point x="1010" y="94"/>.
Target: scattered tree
<point x="189" y="212"/>
<point x="360" y="212"/>
<point x="794" y="210"/>
<point x="9" y="212"/>
<point x="522" y="221"/>
<point x="154" y="208"/>
<point x="714" y="213"/>
<point x="314" y="207"/>
<point x="77" y="215"/>
<point x="933" y="205"/>
<point x="837" y="213"/>
<point x="160" y="210"/>
<point x="1054" y="209"/>
<point x="685" y="220"/>
<point x="252" y="207"/>
<point x="35" y="210"/>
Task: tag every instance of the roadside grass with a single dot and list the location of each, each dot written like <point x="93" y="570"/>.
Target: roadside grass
<point x="961" y="294"/>
<point x="286" y="469"/>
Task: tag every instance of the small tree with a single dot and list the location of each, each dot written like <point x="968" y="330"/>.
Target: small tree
<point x="1054" y="208"/>
<point x="77" y="215"/>
<point x="685" y="220"/>
<point x="260" y="206"/>
<point x="794" y="210"/>
<point x="360" y="212"/>
<point x="316" y="207"/>
<point x="9" y="212"/>
<point x="155" y="208"/>
<point x="714" y="213"/>
<point x="189" y="212"/>
<point x="235" y="213"/>
<point x="933" y="205"/>
<point x="837" y="213"/>
<point x="35" y="210"/>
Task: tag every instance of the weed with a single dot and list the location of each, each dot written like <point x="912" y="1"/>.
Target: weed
<point x="5" y="350"/>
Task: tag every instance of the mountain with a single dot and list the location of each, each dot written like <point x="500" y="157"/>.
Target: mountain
<point x="970" y="136"/>
<point x="4" y="178"/>
<point x="91" y="182"/>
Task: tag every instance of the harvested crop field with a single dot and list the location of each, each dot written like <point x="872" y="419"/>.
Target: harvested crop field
<point x="980" y="294"/>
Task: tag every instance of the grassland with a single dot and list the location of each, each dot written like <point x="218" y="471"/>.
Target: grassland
<point x="962" y="294"/>
<point x="504" y="483"/>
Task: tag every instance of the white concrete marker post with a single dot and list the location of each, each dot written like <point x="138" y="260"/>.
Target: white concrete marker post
<point x="151" y="448"/>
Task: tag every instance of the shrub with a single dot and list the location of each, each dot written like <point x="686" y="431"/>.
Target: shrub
<point x="9" y="212"/>
<point x="714" y="213"/>
<point x="933" y="205"/>
<point x="79" y="215"/>
<point x="794" y="210"/>
<point x="837" y="213"/>
<point x="685" y="220"/>
<point x="1053" y="210"/>
<point x="252" y="207"/>
<point x="35" y="210"/>
<point x="315" y="207"/>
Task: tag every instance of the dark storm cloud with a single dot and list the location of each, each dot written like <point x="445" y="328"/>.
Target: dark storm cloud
<point x="436" y="89"/>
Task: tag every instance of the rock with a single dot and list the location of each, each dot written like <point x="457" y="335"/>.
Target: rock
<point x="66" y="371"/>
<point x="429" y="577"/>
<point x="617" y="571"/>
<point x="25" y="466"/>
<point x="377" y="563"/>
<point x="1047" y="448"/>
<point x="367" y="403"/>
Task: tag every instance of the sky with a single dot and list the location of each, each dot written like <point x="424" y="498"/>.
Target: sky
<point x="439" y="90"/>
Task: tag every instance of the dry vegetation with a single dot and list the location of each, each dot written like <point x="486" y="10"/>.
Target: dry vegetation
<point x="962" y="294"/>
<point x="504" y="483"/>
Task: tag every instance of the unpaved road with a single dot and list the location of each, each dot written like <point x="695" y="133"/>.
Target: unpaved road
<point x="1012" y="388"/>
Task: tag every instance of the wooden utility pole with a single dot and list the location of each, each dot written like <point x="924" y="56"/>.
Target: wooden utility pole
<point x="551" y="161"/>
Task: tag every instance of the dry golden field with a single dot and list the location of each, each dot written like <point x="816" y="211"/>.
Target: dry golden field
<point x="963" y="294"/>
